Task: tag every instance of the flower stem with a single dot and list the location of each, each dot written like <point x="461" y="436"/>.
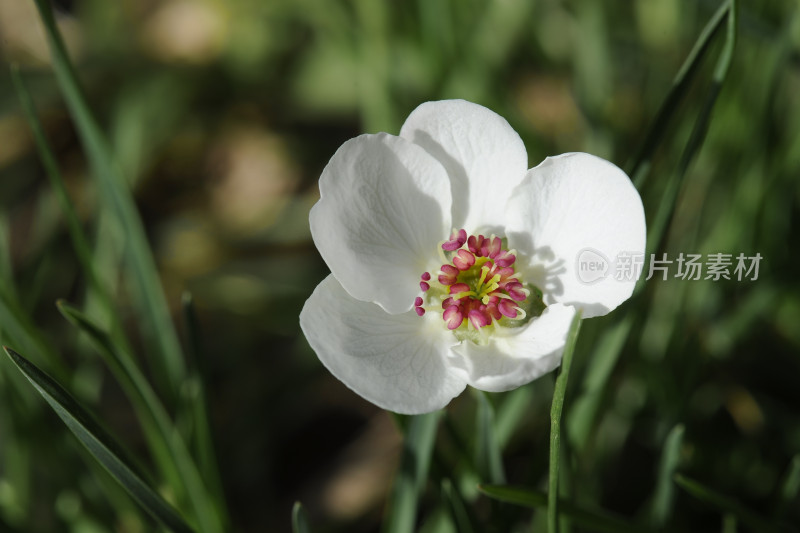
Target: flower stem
<point x="555" y="423"/>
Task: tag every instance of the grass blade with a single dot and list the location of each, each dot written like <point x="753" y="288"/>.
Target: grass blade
<point x="725" y="504"/>
<point x="680" y="86"/>
<point x="167" y="360"/>
<point x="164" y="438"/>
<point x="488" y="460"/>
<point x="198" y="408"/>
<point x="729" y="524"/>
<point x="789" y="488"/>
<point x="299" y="519"/>
<point x="136" y="389"/>
<point x="456" y="507"/>
<point x="555" y="422"/>
<point x="602" y="362"/>
<point x="591" y="520"/>
<point x="665" y="490"/>
<point x="6" y="271"/>
<point x="666" y="208"/>
<point x="410" y="480"/>
<point x="102" y="447"/>
<point x="513" y="410"/>
<point x="16" y="325"/>
<point x="18" y="328"/>
<point x="79" y="241"/>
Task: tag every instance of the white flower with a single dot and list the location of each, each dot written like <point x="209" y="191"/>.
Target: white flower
<point x="414" y="311"/>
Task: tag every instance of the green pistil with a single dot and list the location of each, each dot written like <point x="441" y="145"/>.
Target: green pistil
<point x="459" y="295"/>
<point x="475" y="278"/>
<point x="484" y="272"/>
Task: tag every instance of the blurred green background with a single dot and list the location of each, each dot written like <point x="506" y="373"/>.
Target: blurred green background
<point x="222" y="115"/>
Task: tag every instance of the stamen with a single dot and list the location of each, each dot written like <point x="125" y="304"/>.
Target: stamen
<point x="516" y="291"/>
<point x="449" y="275"/>
<point x="492" y="308"/>
<point x="457" y="240"/>
<point x="453" y="317"/>
<point x="508" y="308"/>
<point x="505" y="259"/>
<point x="418" y="306"/>
<point x="475" y="244"/>
<point x="492" y="247"/>
<point x="476" y="285"/>
<point x="478" y="319"/>
<point x="459" y="287"/>
<point x="463" y="260"/>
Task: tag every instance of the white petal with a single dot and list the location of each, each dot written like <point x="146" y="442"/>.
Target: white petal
<point x="398" y="362"/>
<point x="513" y="360"/>
<point x="571" y="218"/>
<point x="482" y="153"/>
<point x="384" y="208"/>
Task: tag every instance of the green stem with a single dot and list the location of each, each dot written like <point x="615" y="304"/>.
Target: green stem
<point x="555" y="423"/>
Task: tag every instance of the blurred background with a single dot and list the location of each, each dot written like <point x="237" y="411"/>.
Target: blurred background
<point x="222" y="116"/>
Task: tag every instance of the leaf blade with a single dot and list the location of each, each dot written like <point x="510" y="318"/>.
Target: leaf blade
<point x="489" y="460"/>
<point x="176" y="459"/>
<point x="724" y="503"/>
<point x="100" y="445"/>
<point x="299" y="519"/>
<point x="680" y="86"/>
<point x="664" y="495"/>
<point x="410" y="479"/>
<point x="666" y="209"/>
<point x="789" y="487"/>
<point x="594" y="520"/>
<point x="153" y="309"/>
<point x="198" y="409"/>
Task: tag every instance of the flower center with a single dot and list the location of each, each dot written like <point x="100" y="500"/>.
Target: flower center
<point x="478" y="288"/>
